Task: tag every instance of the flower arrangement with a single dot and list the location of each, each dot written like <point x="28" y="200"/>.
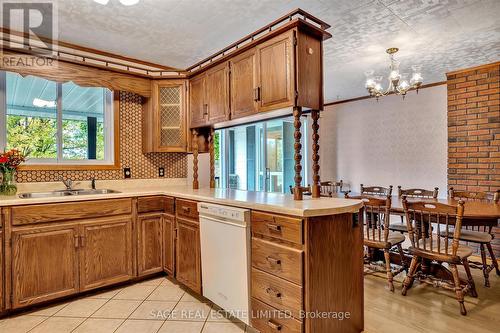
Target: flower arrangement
<point x="9" y="162"/>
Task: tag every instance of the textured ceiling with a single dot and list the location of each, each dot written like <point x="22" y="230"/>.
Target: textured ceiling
<point x="441" y="35"/>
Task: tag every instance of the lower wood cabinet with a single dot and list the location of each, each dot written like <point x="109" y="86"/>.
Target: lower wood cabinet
<point x="2" y="301"/>
<point x="150" y="243"/>
<point x="44" y="263"/>
<point x="188" y="263"/>
<point x="169" y="244"/>
<point x="106" y="252"/>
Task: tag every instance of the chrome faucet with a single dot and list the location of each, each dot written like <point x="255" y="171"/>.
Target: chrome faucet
<point x="68" y="183"/>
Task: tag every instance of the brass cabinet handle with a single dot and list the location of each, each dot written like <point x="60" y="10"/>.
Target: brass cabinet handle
<point x="274" y="227"/>
<point x="82" y="241"/>
<point x="205" y="109"/>
<point x="76" y="242"/>
<point x="256" y="94"/>
<point x="273" y="261"/>
<point x="273" y="292"/>
<point x="273" y="325"/>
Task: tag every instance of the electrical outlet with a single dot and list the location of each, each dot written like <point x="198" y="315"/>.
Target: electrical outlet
<point x="161" y="172"/>
<point x="127" y="173"/>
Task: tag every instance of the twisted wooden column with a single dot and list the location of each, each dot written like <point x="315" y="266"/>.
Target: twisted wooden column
<point x="315" y="154"/>
<point x="297" y="192"/>
<point x="212" y="158"/>
<point x="196" y="184"/>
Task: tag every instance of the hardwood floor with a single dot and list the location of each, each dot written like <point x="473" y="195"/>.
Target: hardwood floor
<point x="427" y="309"/>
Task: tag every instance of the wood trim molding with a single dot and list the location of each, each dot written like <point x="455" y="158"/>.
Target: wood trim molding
<point x="429" y="85"/>
<point x="116" y="145"/>
<point x="475" y="68"/>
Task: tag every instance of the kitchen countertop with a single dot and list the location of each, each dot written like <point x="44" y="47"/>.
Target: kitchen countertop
<point x="269" y="202"/>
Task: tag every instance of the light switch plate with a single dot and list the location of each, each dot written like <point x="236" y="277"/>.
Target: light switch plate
<point x="161" y="172"/>
<point x="127" y="173"/>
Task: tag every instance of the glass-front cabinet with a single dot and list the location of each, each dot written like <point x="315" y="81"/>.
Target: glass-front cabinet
<point x="165" y="123"/>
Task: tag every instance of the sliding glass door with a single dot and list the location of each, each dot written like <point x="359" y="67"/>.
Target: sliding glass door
<point x="257" y="157"/>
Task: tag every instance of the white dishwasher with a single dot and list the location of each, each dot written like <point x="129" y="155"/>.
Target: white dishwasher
<point x="225" y="257"/>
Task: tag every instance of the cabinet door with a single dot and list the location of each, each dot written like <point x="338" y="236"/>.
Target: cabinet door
<point x="171" y="118"/>
<point x="217" y="97"/>
<point x="275" y="73"/>
<point x="243" y="85"/>
<point x="2" y="302"/>
<point x="168" y="243"/>
<point x="106" y="252"/>
<point x="197" y="106"/>
<point x="44" y="264"/>
<point x="150" y="244"/>
<point x="188" y="263"/>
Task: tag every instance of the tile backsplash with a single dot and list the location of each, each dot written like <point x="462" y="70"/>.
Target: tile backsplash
<point x="143" y="166"/>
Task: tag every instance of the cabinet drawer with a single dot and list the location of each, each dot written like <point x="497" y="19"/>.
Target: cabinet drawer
<point x="188" y="209"/>
<point x="70" y="211"/>
<point x="277" y="226"/>
<point x="155" y="204"/>
<point x="279" y="260"/>
<point x="279" y="293"/>
<point x="266" y="319"/>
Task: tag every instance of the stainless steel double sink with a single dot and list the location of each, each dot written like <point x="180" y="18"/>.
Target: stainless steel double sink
<point x="65" y="193"/>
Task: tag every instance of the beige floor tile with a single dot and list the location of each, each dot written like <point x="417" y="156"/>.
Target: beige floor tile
<point x="190" y="311"/>
<point x="212" y="327"/>
<point x="20" y="324"/>
<point x="48" y="311"/>
<point x="187" y="297"/>
<point x="81" y="308"/>
<point x="166" y="293"/>
<point x="117" y="308"/>
<point x="181" y="327"/>
<point x="168" y="282"/>
<point x="153" y="282"/>
<point x="97" y="325"/>
<point x="139" y="326"/>
<point x="58" y="325"/>
<point x="153" y="310"/>
<point x="218" y="315"/>
<point x="136" y="292"/>
<point x="106" y="294"/>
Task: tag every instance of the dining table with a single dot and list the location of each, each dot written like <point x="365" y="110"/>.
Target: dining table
<point x="476" y="214"/>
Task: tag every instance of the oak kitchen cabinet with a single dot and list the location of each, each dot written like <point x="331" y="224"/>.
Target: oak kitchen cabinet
<point x="2" y="301"/>
<point x="105" y="252"/>
<point x="44" y="263"/>
<point x="283" y="71"/>
<point x="155" y="235"/>
<point x="209" y="96"/>
<point x="165" y="125"/>
<point x="243" y="84"/>
<point x="188" y="248"/>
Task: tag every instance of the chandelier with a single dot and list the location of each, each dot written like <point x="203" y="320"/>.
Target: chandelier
<point x="398" y="82"/>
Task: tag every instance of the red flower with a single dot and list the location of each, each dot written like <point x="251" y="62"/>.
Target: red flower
<point x="3" y="159"/>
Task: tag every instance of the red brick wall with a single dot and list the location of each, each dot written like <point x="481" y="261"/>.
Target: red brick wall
<point x="474" y="131"/>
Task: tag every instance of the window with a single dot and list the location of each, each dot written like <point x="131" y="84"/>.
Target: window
<point x="259" y="156"/>
<point x="56" y="123"/>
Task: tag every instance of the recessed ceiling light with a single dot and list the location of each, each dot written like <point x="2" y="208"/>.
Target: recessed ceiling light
<point x="102" y="2"/>
<point x="129" y="2"/>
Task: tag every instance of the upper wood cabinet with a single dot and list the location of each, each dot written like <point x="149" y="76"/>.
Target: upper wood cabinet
<point x="44" y="263"/>
<point x="209" y="96"/>
<point x="165" y="117"/>
<point x="106" y="252"/>
<point x="197" y="106"/>
<point x="243" y="84"/>
<point x="281" y="72"/>
<point x="275" y="73"/>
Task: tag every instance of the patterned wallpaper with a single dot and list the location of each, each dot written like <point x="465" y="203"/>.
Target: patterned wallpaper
<point x="142" y="165"/>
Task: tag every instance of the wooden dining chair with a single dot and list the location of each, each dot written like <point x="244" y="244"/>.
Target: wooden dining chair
<point x="423" y="219"/>
<point x="480" y="235"/>
<point x="327" y="188"/>
<point x="376" y="190"/>
<point x="376" y="234"/>
<point x="412" y="193"/>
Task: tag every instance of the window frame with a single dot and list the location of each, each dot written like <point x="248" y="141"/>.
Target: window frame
<point x="111" y="135"/>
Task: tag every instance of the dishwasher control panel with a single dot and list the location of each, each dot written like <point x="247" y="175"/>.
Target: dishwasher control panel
<point x="225" y="212"/>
